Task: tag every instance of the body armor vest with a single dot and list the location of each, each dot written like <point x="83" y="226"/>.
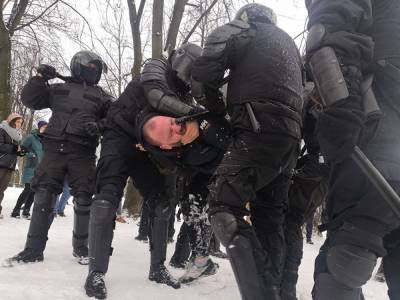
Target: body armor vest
<point x="267" y="70"/>
<point x="73" y="106"/>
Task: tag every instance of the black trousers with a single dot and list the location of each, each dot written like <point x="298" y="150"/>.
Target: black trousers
<point x="25" y="199"/>
<point x="120" y="159"/>
<point x="391" y="263"/>
<point x="307" y="191"/>
<point x="257" y="168"/>
<point x="144" y="224"/>
<point x="78" y="164"/>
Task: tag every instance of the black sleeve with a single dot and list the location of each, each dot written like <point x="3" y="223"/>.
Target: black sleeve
<point x="154" y="76"/>
<point x="154" y="79"/>
<point x="346" y="23"/>
<point x="36" y="94"/>
<point x="209" y="69"/>
<point x="4" y="146"/>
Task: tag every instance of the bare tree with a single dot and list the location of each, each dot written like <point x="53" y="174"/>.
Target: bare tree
<point x="29" y="34"/>
<point x="174" y="25"/>
<point x="135" y="18"/>
<point x="157" y="25"/>
<point x="7" y="29"/>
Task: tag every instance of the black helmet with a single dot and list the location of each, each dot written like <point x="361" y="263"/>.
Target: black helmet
<point x="182" y="60"/>
<point x="255" y="12"/>
<point x="87" y="66"/>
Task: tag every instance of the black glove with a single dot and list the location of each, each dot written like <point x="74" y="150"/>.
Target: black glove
<point x="92" y="129"/>
<point x="47" y="72"/>
<point x="338" y="131"/>
<point x="197" y="110"/>
<point x="216" y="106"/>
<point x="23" y="151"/>
<point x="193" y="114"/>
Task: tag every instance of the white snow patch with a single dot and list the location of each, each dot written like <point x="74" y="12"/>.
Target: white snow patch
<point x="59" y="277"/>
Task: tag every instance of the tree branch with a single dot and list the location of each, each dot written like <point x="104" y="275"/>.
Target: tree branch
<point x="38" y="17"/>
<point x="16" y="15"/>
<point x="199" y="20"/>
<point x="84" y="19"/>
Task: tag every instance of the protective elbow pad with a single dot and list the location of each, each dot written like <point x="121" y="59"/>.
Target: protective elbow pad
<point x="325" y="68"/>
<point x="167" y="104"/>
<point x="328" y="76"/>
<point x="154" y="70"/>
<point x="224" y="226"/>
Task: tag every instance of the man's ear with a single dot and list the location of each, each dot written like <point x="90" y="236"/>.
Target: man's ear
<point x="166" y="147"/>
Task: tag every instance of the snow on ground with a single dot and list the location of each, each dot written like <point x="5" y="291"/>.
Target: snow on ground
<point x="60" y="277"/>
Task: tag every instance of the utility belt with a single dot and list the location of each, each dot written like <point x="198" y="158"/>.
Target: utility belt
<point x="67" y="146"/>
<point x="271" y="107"/>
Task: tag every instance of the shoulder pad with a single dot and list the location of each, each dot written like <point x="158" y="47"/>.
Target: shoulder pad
<point x="154" y="69"/>
<point x="216" y="41"/>
<point x="239" y="24"/>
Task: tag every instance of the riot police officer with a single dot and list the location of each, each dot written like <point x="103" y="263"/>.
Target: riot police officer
<point x="264" y="103"/>
<point x="350" y="42"/>
<point x="78" y="106"/>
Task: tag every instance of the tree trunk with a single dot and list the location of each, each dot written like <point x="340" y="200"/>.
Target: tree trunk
<point x="177" y="14"/>
<point x="158" y="13"/>
<point x="134" y="18"/>
<point x="133" y="200"/>
<point x="5" y="64"/>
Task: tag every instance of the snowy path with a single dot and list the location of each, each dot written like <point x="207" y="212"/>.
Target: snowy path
<point x="60" y="277"/>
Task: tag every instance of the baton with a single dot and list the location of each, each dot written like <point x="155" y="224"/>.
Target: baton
<point x="62" y="77"/>
<point x="253" y="120"/>
<point x="190" y="117"/>
<point x="376" y="178"/>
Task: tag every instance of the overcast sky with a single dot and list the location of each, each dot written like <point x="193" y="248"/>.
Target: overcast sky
<point x="291" y="14"/>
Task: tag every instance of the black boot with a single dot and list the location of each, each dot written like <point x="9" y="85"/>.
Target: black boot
<point x="101" y="227"/>
<point x="141" y="238"/>
<point x="15" y="214"/>
<point x="158" y="247"/>
<point x="28" y="255"/>
<point x="247" y="257"/>
<point x="289" y="282"/>
<point x="42" y="218"/>
<point x="81" y="228"/>
<point x="20" y="201"/>
<point x="160" y="274"/>
<point x="95" y="286"/>
<point x="26" y="214"/>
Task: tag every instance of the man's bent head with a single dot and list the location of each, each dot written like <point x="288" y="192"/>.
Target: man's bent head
<point x="163" y="132"/>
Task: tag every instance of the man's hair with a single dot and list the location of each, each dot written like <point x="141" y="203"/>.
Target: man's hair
<point x="148" y="126"/>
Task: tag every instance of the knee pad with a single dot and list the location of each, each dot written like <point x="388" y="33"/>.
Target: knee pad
<point x="82" y="205"/>
<point x="44" y="198"/>
<point x="102" y="211"/>
<point x="224" y="226"/>
<point x="349" y="234"/>
<point x="82" y="200"/>
<point x="351" y="265"/>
